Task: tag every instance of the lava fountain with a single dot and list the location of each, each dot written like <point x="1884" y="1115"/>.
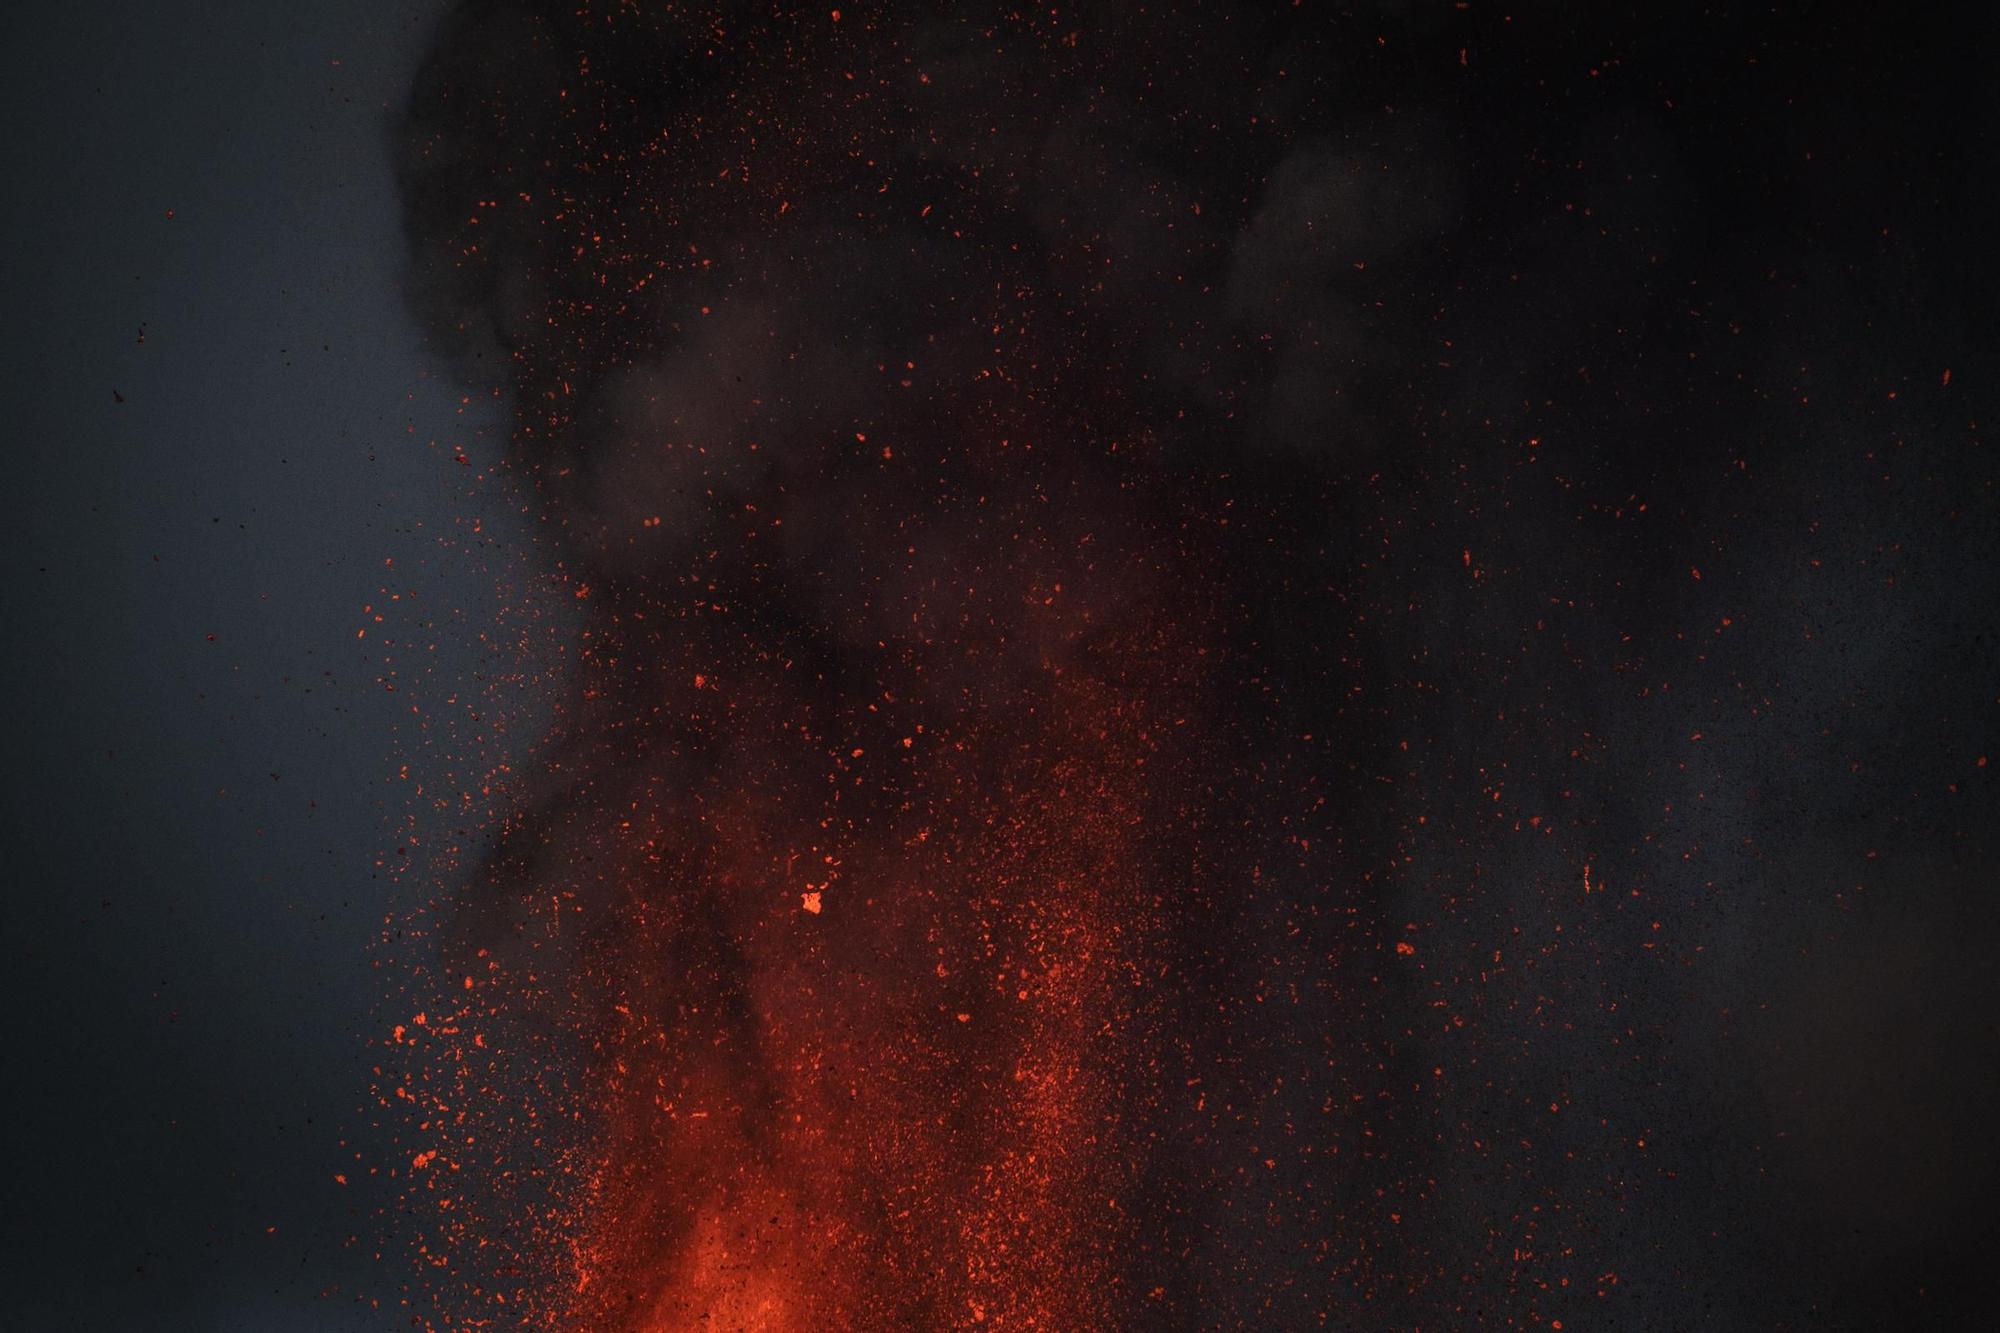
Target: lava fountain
<point x="834" y="972"/>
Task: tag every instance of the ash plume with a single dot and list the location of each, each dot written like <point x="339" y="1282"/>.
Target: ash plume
<point x="1085" y="794"/>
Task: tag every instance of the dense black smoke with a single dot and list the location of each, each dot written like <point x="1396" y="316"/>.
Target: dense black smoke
<point x="1567" y="423"/>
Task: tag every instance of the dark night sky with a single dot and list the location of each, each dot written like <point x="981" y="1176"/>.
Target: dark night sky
<point x="188" y="971"/>
<point x="1660" y="507"/>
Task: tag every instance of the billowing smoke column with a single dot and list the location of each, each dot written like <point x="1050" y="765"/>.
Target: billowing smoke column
<point x="884" y="878"/>
<point x="1080" y="805"/>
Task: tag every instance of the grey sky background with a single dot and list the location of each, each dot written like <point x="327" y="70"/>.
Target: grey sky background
<point x="189" y="936"/>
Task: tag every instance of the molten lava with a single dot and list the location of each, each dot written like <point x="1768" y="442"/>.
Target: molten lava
<point x="867" y="975"/>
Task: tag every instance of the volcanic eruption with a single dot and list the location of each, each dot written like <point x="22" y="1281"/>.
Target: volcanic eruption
<point x="867" y="917"/>
<point x="1075" y="805"/>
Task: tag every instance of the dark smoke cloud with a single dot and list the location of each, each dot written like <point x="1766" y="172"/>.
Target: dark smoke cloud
<point x="1539" y="425"/>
